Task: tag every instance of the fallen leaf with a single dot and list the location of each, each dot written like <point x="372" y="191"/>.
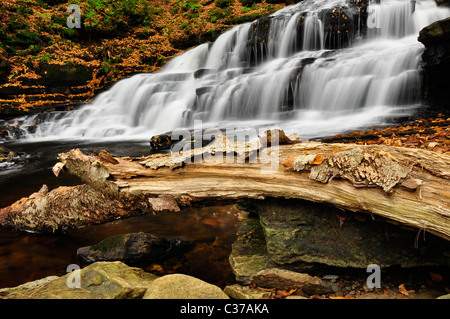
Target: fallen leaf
<point x="288" y="162"/>
<point x="317" y="160"/>
<point x="403" y="290"/>
<point x="283" y="293"/>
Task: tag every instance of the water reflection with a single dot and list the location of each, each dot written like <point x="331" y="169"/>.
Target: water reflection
<point x="26" y="256"/>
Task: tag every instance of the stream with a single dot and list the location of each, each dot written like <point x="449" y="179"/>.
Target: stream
<point x="26" y="256"/>
<point x="254" y="75"/>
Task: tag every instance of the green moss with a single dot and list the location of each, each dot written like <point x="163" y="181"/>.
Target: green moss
<point x="109" y="244"/>
<point x="223" y="3"/>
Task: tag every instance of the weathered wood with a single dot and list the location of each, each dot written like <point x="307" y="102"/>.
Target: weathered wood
<point x="408" y="186"/>
<point x="67" y="207"/>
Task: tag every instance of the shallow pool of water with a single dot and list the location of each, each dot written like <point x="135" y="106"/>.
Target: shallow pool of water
<point x="27" y="256"/>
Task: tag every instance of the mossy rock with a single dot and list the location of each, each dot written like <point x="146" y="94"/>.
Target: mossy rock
<point x="180" y="286"/>
<point x="102" y="280"/>
<point x="300" y="231"/>
<point x="133" y="249"/>
<point x="438" y="31"/>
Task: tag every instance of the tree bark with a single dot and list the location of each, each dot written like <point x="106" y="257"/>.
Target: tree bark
<point x="407" y="186"/>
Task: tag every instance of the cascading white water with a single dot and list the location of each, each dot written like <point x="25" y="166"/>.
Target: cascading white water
<point x="293" y="81"/>
<point x="313" y="38"/>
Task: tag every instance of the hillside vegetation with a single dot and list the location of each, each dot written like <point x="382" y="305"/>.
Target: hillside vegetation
<point x="44" y="63"/>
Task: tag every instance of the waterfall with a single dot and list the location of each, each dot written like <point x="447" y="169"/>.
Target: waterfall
<point x="313" y="36"/>
<point x="307" y="69"/>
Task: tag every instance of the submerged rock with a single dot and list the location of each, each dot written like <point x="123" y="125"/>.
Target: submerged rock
<point x="133" y="248"/>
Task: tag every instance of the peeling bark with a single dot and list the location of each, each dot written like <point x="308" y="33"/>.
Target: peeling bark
<point x="67" y="207"/>
<point x="407" y="186"/>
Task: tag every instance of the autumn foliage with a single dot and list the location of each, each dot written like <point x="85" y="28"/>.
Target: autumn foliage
<point x="118" y="38"/>
<point x="432" y="134"/>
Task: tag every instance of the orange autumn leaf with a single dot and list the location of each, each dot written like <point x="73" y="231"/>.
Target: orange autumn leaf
<point x="317" y="160"/>
<point x="403" y="290"/>
<point x="288" y="162"/>
<point x="284" y="293"/>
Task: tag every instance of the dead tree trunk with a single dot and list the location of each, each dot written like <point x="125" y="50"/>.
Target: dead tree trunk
<point x="408" y="186"/>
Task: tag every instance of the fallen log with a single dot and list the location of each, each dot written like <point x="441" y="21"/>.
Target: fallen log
<point x="67" y="207"/>
<point x="404" y="185"/>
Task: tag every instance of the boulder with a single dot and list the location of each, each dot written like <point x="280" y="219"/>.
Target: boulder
<point x="133" y="248"/>
<point x="237" y="291"/>
<point x="26" y="288"/>
<point x="101" y="280"/>
<point x="436" y="64"/>
<point x="288" y="280"/>
<point x="249" y="252"/>
<point x="302" y="232"/>
<point x="309" y="237"/>
<point x="179" y="286"/>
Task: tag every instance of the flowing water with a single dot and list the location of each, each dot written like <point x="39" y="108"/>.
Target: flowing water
<point x="301" y="77"/>
<point x="314" y="68"/>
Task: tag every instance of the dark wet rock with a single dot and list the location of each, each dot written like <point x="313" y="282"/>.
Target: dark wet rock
<point x="10" y="157"/>
<point x="443" y="3"/>
<point x="202" y="72"/>
<point x="304" y="236"/>
<point x="183" y="139"/>
<point x="11" y="131"/>
<point x="436" y="64"/>
<point x="249" y="251"/>
<point x="133" y="249"/>
<point x="258" y="37"/>
<point x="301" y="231"/>
<point x="341" y="25"/>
